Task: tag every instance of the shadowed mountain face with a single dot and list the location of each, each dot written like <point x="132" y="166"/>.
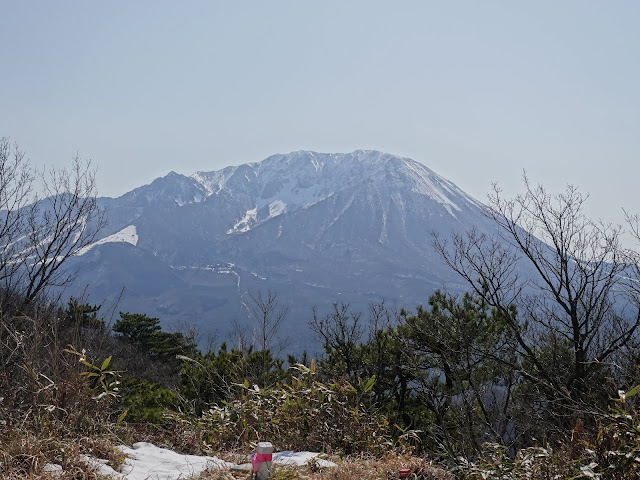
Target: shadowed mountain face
<point x="314" y="228"/>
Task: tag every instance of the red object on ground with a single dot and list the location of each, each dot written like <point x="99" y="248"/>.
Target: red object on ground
<point x="258" y="458"/>
<point x="404" y="473"/>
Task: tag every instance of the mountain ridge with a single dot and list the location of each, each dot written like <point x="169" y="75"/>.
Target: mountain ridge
<point x="204" y="184"/>
<point x="314" y="227"/>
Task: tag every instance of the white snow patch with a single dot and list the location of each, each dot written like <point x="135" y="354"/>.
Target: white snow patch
<point x="244" y="225"/>
<point x="277" y="208"/>
<point x="301" y="459"/>
<point x="250" y="218"/>
<point x="147" y="462"/>
<point x="181" y="202"/>
<point x="54" y="469"/>
<point x="126" y="235"/>
<point x="150" y="462"/>
<point x="100" y="466"/>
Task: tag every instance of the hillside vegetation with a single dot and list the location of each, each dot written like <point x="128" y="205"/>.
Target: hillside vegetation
<point x="519" y="378"/>
<point x="406" y="388"/>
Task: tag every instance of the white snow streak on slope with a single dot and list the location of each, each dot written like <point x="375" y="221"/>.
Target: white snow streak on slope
<point x="181" y="202"/>
<point x="250" y="218"/>
<point x="244" y="225"/>
<point x="444" y="186"/>
<point x="215" y="181"/>
<point x="344" y="209"/>
<point x="384" y="234"/>
<point x="126" y="235"/>
<point x="432" y="190"/>
<point x="298" y="197"/>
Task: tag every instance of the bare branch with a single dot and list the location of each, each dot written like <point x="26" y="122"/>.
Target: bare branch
<point x="578" y="271"/>
<point x="39" y="235"/>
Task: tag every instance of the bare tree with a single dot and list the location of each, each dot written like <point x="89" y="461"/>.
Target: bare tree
<point x="581" y="277"/>
<point x="269" y="313"/>
<point x="16" y="184"/>
<point x="239" y="336"/>
<point x="39" y="234"/>
<point x="340" y="332"/>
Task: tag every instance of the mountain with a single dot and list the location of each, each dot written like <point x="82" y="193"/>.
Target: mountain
<point x="315" y="228"/>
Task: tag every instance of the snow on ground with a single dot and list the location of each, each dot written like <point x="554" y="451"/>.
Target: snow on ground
<point x="145" y="461"/>
<point x="149" y="461"/>
<point x="127" y="235"/>
<point x="301" y="458"/>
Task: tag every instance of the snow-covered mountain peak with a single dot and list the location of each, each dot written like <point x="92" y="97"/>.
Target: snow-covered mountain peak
<point x="309" y="225"/>
<point x="331" y="172"/>
<point x="285" y="183"/>
<point x="171" y="190"/>
<point x="327" y="172"/>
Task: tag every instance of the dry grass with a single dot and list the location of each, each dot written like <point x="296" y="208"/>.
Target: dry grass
<point x="24" y="455"/>
<point x="351" y="468"/>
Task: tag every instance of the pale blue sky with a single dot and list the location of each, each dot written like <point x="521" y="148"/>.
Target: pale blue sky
<point x="477" y="91"/>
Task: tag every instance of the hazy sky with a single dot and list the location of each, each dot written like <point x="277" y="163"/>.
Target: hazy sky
<point x="477" y="91"/>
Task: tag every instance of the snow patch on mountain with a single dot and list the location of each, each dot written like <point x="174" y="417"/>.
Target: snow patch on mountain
<point x="253" y="217"/>
<point x="181" y="201"/>
<point x="384" y="234"/>
<point x="245" y="223"/>
<point x="300" y="179"/>
<point x="428" y="186"/>
<point x="126" y="235"/>
<point x="214" y="182"/>
<point x="277" y="208"/>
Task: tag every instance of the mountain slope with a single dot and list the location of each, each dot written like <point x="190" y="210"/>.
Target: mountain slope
<point x="315" y="228"/>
